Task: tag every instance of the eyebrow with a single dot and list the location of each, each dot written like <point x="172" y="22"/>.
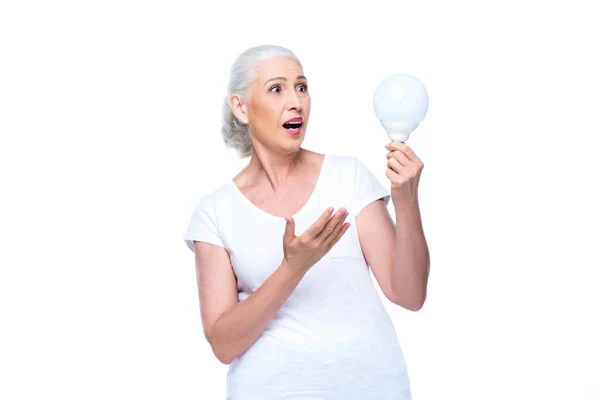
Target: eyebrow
<point x="284" y="79"/>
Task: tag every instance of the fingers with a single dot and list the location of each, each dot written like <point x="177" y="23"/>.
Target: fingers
<point x="319" y="224"/>
<point x="401" y="164"/>
<point x="290" y="226"/>
<point x="402" y="147"/>
<point x="405" y="150"/>
<point x="395" y="165"/>
<point x="398" y="156"/>
<point x="392" y="175"/>
<point x="333" y="224"/>
<point x="336" y="235"/>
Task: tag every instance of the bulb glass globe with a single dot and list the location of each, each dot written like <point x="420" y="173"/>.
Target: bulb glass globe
<point x="400" y="102"/>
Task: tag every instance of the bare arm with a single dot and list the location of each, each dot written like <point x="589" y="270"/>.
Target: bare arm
<point x="231" y="327"/>
<point x="398" y="255"/>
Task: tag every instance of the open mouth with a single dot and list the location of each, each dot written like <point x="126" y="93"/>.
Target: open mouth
<point x="293" y="125"/>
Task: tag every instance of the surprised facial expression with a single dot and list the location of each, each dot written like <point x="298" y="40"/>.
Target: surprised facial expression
<point x="279" y="103"/>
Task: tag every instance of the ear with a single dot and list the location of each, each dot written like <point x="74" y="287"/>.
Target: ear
<point x="239" y="107"/>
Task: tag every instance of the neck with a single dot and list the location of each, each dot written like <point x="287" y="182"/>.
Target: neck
<point x="275" y="168"/>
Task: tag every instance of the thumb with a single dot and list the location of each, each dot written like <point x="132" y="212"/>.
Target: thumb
<point x="289" y="229"/>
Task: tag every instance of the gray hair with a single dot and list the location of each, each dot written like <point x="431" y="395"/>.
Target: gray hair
<point x="242" y="73"/>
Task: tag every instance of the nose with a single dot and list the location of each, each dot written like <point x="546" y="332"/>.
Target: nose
<point x="294" y="102"/>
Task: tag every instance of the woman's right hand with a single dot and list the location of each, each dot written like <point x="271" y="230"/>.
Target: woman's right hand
<point x="302" y="252"/>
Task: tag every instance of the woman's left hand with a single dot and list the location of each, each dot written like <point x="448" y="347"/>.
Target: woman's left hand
<point x="404" y="172"/>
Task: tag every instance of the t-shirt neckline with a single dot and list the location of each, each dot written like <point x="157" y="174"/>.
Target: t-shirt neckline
<point x="302" y="210"/>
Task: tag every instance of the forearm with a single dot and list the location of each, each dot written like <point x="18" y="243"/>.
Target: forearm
<point x="411" y="262"/>
<point x="236" y="330"/>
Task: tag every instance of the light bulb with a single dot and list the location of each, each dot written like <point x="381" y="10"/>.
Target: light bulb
<point x="400" y="102"/>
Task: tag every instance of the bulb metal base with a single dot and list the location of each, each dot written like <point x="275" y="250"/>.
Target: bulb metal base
<point x="399" y="131"/>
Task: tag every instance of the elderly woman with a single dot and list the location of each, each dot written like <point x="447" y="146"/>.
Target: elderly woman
<point x="286" y="297"/>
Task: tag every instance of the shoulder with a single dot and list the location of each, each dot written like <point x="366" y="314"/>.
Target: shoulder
<point x="344" y="167"/>
<point x="356" y="172"/>
<point x="341" y="173"/>
<point x="343" y="162"/>
<point x="211" y="199"/>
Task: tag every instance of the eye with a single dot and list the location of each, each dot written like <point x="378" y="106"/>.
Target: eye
<point x="303" y="87"/>
<point x="275" y="87"/>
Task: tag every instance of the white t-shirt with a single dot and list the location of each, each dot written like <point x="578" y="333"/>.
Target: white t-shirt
<point x="332" y="339"/>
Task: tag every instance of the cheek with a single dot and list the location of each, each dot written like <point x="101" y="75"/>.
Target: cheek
<point x="266" y="117"/>
<point x="306" y="103"/>
<point x="264" y="112"/>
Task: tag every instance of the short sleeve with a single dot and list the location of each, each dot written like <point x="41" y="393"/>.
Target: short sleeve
<point x="203" y="225"/>
<point x="367" y="188"/>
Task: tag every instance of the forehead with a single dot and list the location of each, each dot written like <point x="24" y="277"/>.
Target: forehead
<point x="278" y="66"/>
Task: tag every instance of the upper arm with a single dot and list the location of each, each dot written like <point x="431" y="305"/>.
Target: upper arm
<point x="375" y="227"/>
<point x="377" y="236"/>
<point x="217" y="283"/>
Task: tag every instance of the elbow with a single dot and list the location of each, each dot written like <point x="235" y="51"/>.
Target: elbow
<point x="414" y="307"/>
<point x="411" y="304"/>
<point x="221" y="350"/>
<point x="225" y="357"/>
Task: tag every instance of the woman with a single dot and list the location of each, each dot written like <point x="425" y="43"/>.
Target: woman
<point x="285" y="293"/>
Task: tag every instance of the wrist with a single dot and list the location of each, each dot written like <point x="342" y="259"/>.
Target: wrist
<point x="403" y="208"/>
<point x="290" y="271"/>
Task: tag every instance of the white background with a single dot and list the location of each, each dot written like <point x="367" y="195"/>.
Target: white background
<point x="110" y="116"/>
